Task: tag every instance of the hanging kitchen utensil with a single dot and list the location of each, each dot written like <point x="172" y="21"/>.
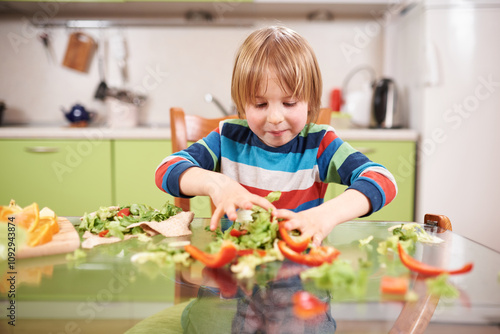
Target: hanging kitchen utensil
<point x="119" y="50"/>
<point x="102" y="89"/>
<point x="79" y="51"/>
<point x="47" y="45"/>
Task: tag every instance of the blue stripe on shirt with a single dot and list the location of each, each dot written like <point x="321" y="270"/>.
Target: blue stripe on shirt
<point x="257" y="157"/>
<point x="350" y="164"/>
<point x="326" y="157"/>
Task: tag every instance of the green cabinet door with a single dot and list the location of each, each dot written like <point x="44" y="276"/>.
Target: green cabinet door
<point x="69" y="176"/>
<point x="399" y="158"/>
<point x="135" y="162"/>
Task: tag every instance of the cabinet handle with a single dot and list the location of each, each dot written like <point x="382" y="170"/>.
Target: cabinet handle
<point x="365" y="150"/>
<point x="42" y="149"/>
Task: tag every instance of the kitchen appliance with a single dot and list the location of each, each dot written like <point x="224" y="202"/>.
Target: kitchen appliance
<point x="2" y="108"/>
<point x="384" y="106"/>
<point x="357" y="97"/>
<point x="78" y="115"/>
<point x="123" y="108"/>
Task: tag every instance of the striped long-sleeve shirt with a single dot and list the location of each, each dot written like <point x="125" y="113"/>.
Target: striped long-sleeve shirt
<point x="300" y="169"/>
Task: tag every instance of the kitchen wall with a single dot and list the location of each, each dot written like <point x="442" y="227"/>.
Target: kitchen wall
<point x="173" y="66"/>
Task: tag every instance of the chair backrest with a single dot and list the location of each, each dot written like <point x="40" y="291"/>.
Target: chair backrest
<point x="324" y="116"/>
<point x="189" y="128"/>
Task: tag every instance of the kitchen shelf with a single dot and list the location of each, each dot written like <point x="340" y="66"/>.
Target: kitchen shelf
<point x="173" y="13"/>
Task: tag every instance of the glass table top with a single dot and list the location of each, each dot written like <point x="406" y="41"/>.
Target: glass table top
<point x="106" y="292"/>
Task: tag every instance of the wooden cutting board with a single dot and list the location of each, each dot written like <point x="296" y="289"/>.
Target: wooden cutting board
<point x="79" y="51"/>
<point x="66" y="241"/>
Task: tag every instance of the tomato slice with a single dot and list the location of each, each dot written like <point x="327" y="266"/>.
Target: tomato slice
<point x="307" y="306"/>
<point x="394" y="285"/>
<point x="427" y="270"/>
<point x="123" y="212"/>
<point x="316" y="256"/>
<point x="237" y="233"/>
<point x="103" y="233"/>
<point x="298" y="244"/>
<point x="226" y="254"/>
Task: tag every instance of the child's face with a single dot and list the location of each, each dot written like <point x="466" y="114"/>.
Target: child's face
<point x="276" y="117"/>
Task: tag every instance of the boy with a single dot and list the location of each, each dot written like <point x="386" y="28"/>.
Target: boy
<point x="274" y="146"/>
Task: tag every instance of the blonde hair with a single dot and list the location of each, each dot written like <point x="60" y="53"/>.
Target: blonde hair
<point x="292" y="59"/>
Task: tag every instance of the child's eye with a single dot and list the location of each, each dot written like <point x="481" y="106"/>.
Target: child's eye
<point x="289" y="104"/>
<point x="260" y="105"/>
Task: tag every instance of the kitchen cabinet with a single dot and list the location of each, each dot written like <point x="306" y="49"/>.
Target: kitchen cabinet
<point x="399" y="158"/>
<point x="134" y="165"/>
<point x="74" y="176"/>
<point x="69" y="176"/>
<point x="135" y="162"/>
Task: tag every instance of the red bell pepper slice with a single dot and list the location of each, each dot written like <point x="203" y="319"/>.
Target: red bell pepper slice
<point x="307" y="306"/>
<point x="103" y="233"/>
<point x="225" y="281"/>
<point x="123" y="212"/>
<point x="298" y="244"/>
<point x="394" y="285"/>
<point x="428" y="270"/>
<point x="243" y="252"/>
<point x="226" y="254"/>
<point x="237" y="233"/>
<point x="316" y="256"/>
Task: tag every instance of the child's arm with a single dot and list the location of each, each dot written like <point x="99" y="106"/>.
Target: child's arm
<point x="319" y="221"/>
<point x="227" y="194"/>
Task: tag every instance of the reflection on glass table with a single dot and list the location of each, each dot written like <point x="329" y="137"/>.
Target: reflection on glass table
<point x="106" y="293"/>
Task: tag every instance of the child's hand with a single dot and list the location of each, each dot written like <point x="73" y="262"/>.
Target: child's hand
<point x="231" y="197"/>
<point x="308" y="222"/>
<point x="319" y="221"/>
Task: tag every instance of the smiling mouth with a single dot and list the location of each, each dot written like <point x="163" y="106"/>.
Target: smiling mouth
<point x="277" y="133"/>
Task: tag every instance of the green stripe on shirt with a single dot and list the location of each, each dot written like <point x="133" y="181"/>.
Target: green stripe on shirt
<point x="344" y="151"/>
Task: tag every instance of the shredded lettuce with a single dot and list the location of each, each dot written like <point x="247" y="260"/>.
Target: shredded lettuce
<point x="340" y="277"/>
<point x="105" y="218"/>
<point x="439" y="286"/>
<point x="412" y="231"/>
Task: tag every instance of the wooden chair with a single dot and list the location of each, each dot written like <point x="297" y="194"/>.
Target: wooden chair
<point x="324" y="116"/>
<point x="415" y="316"/>
<point x="189" y="128"/>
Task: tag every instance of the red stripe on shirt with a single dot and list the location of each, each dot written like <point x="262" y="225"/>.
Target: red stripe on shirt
<point x="386" y="184"/>
<point x="293" y="199"/>
<point x="160" y="171"/>
<point x="329" y="137"/>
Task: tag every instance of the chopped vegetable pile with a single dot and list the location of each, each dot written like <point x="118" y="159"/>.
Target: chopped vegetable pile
<point x="113" y="221"/>
<point x="256" y="238"/>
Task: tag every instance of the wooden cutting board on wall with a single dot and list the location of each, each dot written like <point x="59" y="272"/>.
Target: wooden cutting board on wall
<point x="79" y="51"/>
<point x="66" y="241"/>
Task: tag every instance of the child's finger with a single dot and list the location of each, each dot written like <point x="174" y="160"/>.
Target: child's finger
<point x="216" y="216"/>
<point x="231" y="213"/>
<point x="262" y="202"/>
<point x="283" y="214"/>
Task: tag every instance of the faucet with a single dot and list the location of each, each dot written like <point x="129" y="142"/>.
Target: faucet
<point x="210" y="98"/>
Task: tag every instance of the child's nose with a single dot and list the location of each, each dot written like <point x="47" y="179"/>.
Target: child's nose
<point x="275" y="115"/>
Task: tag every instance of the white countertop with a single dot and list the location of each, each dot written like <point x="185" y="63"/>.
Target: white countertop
<point x="162" y="133"/>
